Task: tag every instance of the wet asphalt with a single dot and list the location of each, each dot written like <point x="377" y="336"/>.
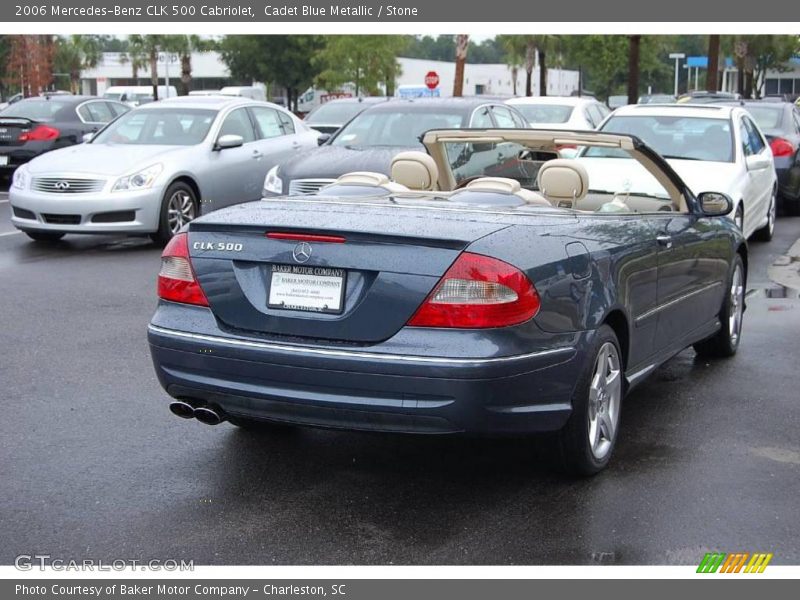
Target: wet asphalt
<point x="92" y="464"/>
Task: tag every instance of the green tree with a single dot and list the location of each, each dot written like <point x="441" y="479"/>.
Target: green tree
<point x="75" y="53"/>
<point x="367" y="61"/>
<point x="282" y="59"/>
<point x="513" y="55"/>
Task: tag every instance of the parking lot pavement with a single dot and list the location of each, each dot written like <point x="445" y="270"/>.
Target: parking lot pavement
<point x="6" y="228"/>
<point x="93" y="464"/>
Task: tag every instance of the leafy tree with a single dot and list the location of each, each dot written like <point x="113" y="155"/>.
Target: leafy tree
<point x="443" y="47"/>
<point x="368" y="61"/>
<point x="282" y="59"/>
<point x="74" y="54"/>
<point x="513" y="55"/>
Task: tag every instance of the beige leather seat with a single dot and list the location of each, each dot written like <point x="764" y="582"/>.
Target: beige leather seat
<point x="564" y="182"/>
<point x="504" y="185"/>
<point x="415" y="170"/>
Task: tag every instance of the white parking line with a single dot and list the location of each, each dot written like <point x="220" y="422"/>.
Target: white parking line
<point x="9" y="233"/>
<point x="3" y="201"/>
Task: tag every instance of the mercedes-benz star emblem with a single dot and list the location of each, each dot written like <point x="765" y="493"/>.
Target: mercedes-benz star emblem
<point x="61" y="185"/>
<point x="302" y="252"/>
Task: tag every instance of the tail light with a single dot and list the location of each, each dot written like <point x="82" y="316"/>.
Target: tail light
<point x="478" y="292"/>
<point x="176" y="280"/>
<point x="781" y="147"/>
<point x="40" y="133"/>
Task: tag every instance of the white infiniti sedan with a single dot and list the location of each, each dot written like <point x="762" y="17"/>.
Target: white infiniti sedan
<point x="711" y="147"/>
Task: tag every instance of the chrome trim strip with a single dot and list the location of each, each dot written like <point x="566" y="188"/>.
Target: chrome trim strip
<point x="634" y="378"/>
<point x="661" y="307"/>
<point x="354" y="354"/>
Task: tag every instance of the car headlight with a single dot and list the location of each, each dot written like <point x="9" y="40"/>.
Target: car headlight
<point x="272" y="183"/>
<point x="141" y="180"/>
<point x="20" y="179"/>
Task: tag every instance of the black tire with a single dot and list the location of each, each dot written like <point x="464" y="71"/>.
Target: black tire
<point x="738" y="217"/>
<point x="259" y="425"/>
<point x="726" y="341"/>
<point x="168" y="224"/>
<point x="765" y="233"/>
<point x="45" y="236"/>
<point x="791" y="206"/>
<point x="575" y="452"/>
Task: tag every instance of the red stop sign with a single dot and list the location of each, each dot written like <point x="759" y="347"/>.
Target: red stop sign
<point x="432" y="80"/>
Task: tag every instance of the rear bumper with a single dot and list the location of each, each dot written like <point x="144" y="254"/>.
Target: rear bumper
<point x="365" y="390"/>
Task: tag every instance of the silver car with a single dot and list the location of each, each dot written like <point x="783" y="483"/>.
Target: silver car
<point x="156" y="168"/>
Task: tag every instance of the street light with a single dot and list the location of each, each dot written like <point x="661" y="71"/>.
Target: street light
<point x="677" y="56"/>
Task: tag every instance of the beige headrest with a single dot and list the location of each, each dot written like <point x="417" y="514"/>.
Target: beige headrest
<point x="415" y="170"/>
<point x="563" y="181"/>
<point x="363" y="178"/>
<point x="504" y="185"/>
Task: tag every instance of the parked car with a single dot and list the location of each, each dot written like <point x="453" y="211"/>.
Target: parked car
<point x="561" y="112"/>
<point x="156" y="168"/>
<point x="490" y="309"/>
<point x="33" y="126"/>
<point x="703" y="97"/>
<point x="328" y="118"/>
<point x="714" y="146"/>
<point x="136" y="95"/>
<point x="656" y="99"/>
<point x="614" y="102"/>
<point x="780" y="123"/>
<point x="245" y="91"/>
<point x="370" y="140"/>
<point x="11" y="100"/>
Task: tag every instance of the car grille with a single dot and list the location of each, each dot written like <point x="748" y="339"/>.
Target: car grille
<point x="62" y="219"/>
<point x="307" y="186"/>
<point x="64" y="185"/>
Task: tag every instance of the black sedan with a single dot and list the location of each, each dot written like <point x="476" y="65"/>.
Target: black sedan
<point x="33" y="126"/>
<point x="780" y="122"/>
<point x="503" y="306"/>
<point x="375" y="136"/>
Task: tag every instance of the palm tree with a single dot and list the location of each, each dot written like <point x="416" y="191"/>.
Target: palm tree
<point x="633" y="68"/>
<point x="462" y="45"/>
<point x="530" y="61"/>
<point x="76" y="53"/>
<point x="514" y="55"/>
<point x="135" y="55"/>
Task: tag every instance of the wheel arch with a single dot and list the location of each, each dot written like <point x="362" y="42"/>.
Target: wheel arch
<point x="618" y="321"/>
<point x="192" y="183"/>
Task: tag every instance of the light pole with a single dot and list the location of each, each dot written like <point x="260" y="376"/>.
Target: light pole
<point x="677" y="56"/>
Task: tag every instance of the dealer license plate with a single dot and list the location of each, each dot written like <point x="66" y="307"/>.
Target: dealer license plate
<point x="3" y="160"/>
<point x="311" y="289"/>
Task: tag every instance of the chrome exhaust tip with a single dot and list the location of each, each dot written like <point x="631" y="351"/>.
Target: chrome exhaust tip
<point x="209" y="416"/>
<point x="182" y="409"/>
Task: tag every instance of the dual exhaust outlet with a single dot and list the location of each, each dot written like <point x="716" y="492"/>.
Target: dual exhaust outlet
<point x="204" y="414"/>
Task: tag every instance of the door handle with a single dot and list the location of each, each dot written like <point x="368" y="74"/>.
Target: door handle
<point x="664" y="240"/>
<point x="257" y="154"/>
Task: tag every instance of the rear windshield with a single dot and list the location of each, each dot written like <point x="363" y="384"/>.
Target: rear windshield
<point x="672" y="136"/>
<point x="35" y="109"/>
<point x="396" y="128"/>
<point x="335" y="114"/>
<point x="163" y="126"/>
<point x="545" y="113"/>
<point x="767" y="117"/>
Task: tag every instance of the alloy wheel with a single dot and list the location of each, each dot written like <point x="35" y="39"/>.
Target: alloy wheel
<point x="180" y="210"/>
<point x="605" y="395"/>
<point x="736" y="305"/>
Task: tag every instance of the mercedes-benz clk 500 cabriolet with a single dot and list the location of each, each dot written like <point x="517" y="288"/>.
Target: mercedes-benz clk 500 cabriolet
<point x="459" y="295"/>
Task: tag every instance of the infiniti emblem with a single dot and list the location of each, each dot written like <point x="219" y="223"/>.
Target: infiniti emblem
<point x="302" y="252"/>
<point x="61" y="185"/>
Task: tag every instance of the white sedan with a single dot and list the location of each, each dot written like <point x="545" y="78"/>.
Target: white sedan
<point x="711" y="147"/>
<point x="561" y="112"/>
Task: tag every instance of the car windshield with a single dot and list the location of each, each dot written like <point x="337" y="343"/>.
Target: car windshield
<point x="545" y="113"/>
<point x="397" y="127"/>
<point x="335" y="113"/>
<point x="162" y="126"/>
<point x="673" y="136"/>
<point x="35" y="109"/>
<point x="767" y="117"/>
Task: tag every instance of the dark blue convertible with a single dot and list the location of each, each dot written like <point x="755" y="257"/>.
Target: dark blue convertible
<point x="486" y="287"/>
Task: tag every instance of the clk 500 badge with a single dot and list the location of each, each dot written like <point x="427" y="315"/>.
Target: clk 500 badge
<point x="218" y="246"/>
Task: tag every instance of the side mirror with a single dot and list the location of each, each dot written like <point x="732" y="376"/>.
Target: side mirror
<point x="229" y="141"/>
<point x="324" y="137"/>
<point x="87" y="137"/>
<point x="715" y="204"/>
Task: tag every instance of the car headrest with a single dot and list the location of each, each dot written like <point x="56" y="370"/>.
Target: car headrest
<point x="362" y="178"/>
<point x="415" y="170"/>
<point x="563" y="181"/>
<point x="504" y="185"/>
